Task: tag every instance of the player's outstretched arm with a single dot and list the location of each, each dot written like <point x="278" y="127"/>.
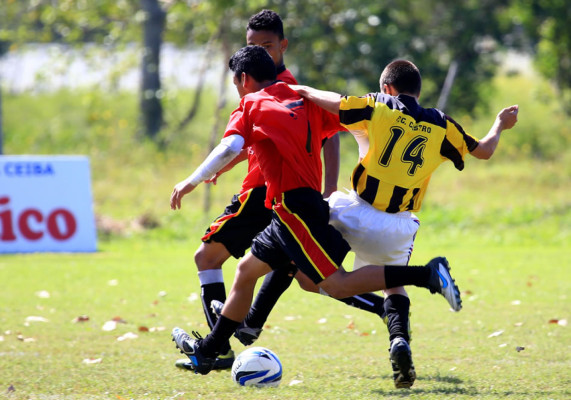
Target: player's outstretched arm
<point x="505" y="119"/>
<point x="243" y="156"/>
<point x="329" y="101"/>
<point x="331" y="161"/>
<point x="225" y="152"/>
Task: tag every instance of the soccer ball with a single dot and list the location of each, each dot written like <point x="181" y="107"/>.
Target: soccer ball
<point x="257" y="366"/>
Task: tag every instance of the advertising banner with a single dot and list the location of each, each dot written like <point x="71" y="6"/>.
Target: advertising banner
<point x="46" y="204"/>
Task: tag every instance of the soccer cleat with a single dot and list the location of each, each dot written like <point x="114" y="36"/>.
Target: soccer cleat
<point x="401" y="361"/>
<point x="441" y="282"/>
<point x="245" y="334"/>
<point x="191" y="347"/>
<point x="216" y="306"/>
<point x="223" y="361"/>
<point x="183" y="363"/>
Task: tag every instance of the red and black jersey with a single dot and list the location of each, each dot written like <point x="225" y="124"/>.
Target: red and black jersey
<point x="254" y="177"/>
<point x="285" y="132"/>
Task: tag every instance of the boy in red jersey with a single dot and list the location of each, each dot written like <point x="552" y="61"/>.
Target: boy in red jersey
<point x="286" y="132"/>
<point x="232" y="232"/>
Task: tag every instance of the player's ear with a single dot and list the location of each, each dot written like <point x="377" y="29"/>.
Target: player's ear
<point x="247" y="82"/>
<point x="283" y="45"/>
<point x="389" y="89"/>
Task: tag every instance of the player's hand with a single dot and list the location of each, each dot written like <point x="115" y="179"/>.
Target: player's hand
<point x="180" y="190"/>
<point x="301" y="90"/>
<point x="507" y="118"/>
<point x="328" y="191"/>
<point x="214" y="179"/>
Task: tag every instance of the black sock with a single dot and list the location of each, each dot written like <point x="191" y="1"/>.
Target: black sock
<point x="275" y="283"/>
<point x="396" y="276"/>
<point x="213" y="343"/>
<point x="397" y="308"/>
<point x="209" y="292"/>
<point x="370" y="302"/>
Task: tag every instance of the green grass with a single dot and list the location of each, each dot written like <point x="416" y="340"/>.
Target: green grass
<point x="506" y="288"/>
<point x="503" y="224"/>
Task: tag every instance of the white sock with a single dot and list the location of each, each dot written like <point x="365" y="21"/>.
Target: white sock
<point x="210" y="276"/>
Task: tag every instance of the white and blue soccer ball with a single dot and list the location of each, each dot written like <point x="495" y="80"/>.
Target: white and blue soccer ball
<point x="257" y="366"/>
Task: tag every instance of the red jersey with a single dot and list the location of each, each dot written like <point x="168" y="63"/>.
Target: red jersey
<point x="285" y="132"/>
<point x="254" y="177"/>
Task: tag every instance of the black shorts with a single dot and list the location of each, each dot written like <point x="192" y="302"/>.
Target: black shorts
<point x="300" y="231"/>
<point x="241" y="221"/>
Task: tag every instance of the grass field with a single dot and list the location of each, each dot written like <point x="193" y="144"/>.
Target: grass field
<point x="329" y="351"/>
<point x="504" y="225"/>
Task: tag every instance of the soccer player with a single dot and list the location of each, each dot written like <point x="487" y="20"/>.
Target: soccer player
<point x="285" y="133"/>
<point x="400" y="145"/>
<point x="232" y="232"/>
<point x="266" y="29"/>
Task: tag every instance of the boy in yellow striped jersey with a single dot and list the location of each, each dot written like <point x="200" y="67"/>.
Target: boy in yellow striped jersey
<point x="400" y="145"/>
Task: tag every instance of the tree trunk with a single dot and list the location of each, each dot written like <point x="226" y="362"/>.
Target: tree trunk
<point x="448" y="83"/>
<point x="218" y="118"/>
<point x="150" y="103"/>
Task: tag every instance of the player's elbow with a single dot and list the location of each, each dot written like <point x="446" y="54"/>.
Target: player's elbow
<point x="484" y="156"/>
<point x="482" y="152"/>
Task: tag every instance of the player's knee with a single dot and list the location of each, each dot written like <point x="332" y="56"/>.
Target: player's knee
<point x="306" y="284"/>
<point x="335" y="287"/>
<point x="204" y="259"/>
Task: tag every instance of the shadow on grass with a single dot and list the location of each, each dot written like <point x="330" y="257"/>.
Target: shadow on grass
<point x="452" y="385"/>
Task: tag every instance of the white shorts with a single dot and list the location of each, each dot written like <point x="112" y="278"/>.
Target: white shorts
<point x="376" y="237"/>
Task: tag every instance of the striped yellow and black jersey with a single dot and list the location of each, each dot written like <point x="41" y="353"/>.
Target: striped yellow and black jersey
<point x="406" y="144"/>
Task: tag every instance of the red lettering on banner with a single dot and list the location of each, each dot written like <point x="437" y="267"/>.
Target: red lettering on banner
<point x="6" y="222"/>
<point x="63" y="230"/>
<point x="23" y="224"/>
<point x="70" y="223"/>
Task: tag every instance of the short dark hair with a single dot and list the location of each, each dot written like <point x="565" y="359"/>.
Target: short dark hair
<point x="267" y="20"/>
<point x="255" y="61"/>
<point x="403" y="75"/>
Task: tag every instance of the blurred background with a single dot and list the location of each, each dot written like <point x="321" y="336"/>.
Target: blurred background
<point x="142" y="87"/>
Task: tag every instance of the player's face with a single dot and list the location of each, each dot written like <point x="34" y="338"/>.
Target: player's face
<point x="269" y="41"/>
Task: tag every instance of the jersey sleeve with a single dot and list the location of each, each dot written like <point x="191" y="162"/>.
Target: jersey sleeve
<point x="238" y="123"/>
<point x="355" y="112"/>
<point x="329" y="122"/>
<point x="457" y="143"/>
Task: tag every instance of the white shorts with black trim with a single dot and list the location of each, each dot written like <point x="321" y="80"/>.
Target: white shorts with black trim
<point x="376" y="237"/>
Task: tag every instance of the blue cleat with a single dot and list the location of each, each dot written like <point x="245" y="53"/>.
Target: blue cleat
<point x="191" y="347"/>
<point x="441" y="282"/>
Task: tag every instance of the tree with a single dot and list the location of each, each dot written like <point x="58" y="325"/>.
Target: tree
<point x="348" y="42"/>
<point x="547" y="35"/>
<point x="150" y="93"/>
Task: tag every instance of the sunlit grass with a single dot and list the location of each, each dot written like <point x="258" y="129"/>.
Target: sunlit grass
<point x="504" y="224"/>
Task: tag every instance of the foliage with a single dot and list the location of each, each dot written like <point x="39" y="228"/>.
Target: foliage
<point x="340" y="45"/>
<point x="349" y="41"/>
<point x="69" y="21"/>
<point x="547" y="35"/>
